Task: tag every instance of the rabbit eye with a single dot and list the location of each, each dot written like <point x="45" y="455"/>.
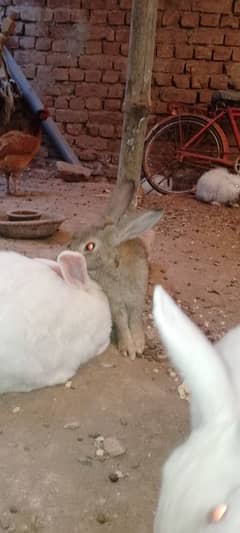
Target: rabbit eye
<point x="218" y="513"/>
<point x="90" y="246"/>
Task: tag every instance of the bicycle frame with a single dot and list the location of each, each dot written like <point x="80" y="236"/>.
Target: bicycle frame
<point x="231" y="113"/>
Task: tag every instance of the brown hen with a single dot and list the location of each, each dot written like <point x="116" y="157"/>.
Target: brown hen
<point x="17" y="149"/>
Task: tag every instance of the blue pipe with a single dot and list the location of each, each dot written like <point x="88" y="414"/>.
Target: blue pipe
<point x="35" y="105"/>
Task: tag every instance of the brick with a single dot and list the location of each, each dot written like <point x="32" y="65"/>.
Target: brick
<point x="19" y="28"/>
<point x="74" y="129"/>
<point x="94" y="47"/>
<point x="59" y="46"/>
<point x="222" y="53"/>
<point x="35" y="30"/>
<point x="88" y="90"/>
<point x="60" y="74"/>
<point x="170" y="17"/>
<point x="85" y="141"/>
<point x="181" y="81"/>
<point x="169" y="94"/>
<point x="62" y="14"/>
<point x="219" y="81"/>
<point x="95" y="62"/>
<point x="125" y="4"/>
<point x="106" y="130"/>
<point x="43" y="43"/>
<point x="212" y="6"/>
<point x="94" y="103"/>
<point x="100" y="31"/>
<point x="163" y="79"/>
<point x="23" y="57"/>
<point x="111" y="49"/>
<point x="75" y="74"/>
<point x="204" y="36"/>
<point x="205" y="96"/>
<point x="210" y="19"/>
<point x="29" y="71"/>
<point x="237" y="7"/>
<point x="232" y="38"/>
<point x="232" y="69"/>
<point x="68" y="115"/>
<point x="112" y="103"/>
<point x="199" y="81"/>
<point x="13" y="42"/>
<point x="120" y="63"/>
<point x="105" y="117"/>
<point x="165" y="50"/>
<point x="204" y="67"/>
<point x="171" y="36"/>
<point x="122" y="35"/>
<point x="124" y="49"/>
<point x="27" y="42"/>
<point x="79" y="15"/>
<point x="58" y="89"/>
<point x="110" y="76"/>
<point x="61" y="60"/>
<point x="128" y="18"/>
<point x="98" y="17"/>
<point x="92" y="129"/>
<point x="203" y="52"/>
<point x="92" y="75"/>
<point x="189" y="20"/>
<point x="77" y="103"/>
<point x="116" y="18"/>
<point x="229" y="21"/>
<point x="175" y="66"/>
<point x="236" y="54"/>
<point x="184" y="51"/>
<point x="61" y="102"/>
<point x="115" y="91"/>
<point x="30" y="14"/>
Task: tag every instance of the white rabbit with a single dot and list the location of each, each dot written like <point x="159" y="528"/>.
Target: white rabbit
<point x="218" y="186"/>
<point x="200" y="490"/>
<point x="53" y="318"/>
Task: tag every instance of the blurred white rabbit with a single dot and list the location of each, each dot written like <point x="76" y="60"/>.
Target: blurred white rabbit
<point x="200" y="489"/>
<point x="218" y="186"/>
<point x="53" y="318"/>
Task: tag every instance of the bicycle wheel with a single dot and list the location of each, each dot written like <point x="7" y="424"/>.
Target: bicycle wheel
<point x="161" y="166"/>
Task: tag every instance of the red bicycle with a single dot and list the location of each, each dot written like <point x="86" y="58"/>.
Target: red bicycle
<point x="179" y="148"/>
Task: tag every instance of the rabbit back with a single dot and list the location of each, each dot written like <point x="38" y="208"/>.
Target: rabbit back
<point x="47" y="329"/>
<point x="228" y="348"/>
<point x="218" y="185"/>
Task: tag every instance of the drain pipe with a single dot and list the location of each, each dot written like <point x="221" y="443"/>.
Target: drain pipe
<point x="35" y="105"/>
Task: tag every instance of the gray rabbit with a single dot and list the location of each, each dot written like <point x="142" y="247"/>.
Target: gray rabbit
<point x="118" y="261"/>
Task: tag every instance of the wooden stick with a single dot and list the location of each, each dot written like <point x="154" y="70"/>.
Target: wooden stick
<point x="138" y="89"/>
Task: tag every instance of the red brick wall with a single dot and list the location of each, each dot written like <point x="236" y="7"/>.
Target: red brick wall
<point x="76" y="57"/>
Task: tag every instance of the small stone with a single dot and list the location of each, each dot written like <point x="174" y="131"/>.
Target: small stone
<point x="80" y="439"/>
<point x="101" y="518"/>
<point x="13" y="509"/>
<point x="72" y="425"/>
<point x="113" y="477"/>
<point x="86" y="461"/>
<point x="123" y="422"/>
<point x="113" y="447"/>
<point x="94" y="435"/>
<point x="99" y="452"/>
<point x="68" y="384"/>
<point x="16" y="409"/>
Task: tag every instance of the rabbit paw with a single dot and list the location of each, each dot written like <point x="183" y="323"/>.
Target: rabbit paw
<point x="139" y="341"/>
<point x="127" y="348"/>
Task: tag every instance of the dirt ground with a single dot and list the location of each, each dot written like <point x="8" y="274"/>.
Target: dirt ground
<point x="51" y="479"/>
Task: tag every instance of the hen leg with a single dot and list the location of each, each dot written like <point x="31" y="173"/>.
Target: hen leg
<point x="15" y="189"/>
<point x="8" y="182"/>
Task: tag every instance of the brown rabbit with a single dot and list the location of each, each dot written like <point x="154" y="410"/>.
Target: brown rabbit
<point x="118" y="261"/>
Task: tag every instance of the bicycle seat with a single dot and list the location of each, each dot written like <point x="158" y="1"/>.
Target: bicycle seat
<point x="230" y="98"/>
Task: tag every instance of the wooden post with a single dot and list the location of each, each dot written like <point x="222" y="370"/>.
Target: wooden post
<point x="137" y="100"/>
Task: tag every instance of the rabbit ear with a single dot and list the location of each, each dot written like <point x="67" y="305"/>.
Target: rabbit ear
<point x="120" y="200"/>
<point x="195" y="358"/>
<point x="73" y="268"/>
<point x="134" y="226"/>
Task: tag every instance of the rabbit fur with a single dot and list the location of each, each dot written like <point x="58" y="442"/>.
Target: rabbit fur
<point x="202" y="475"/>
<point x="53" y="318"/>
<point x="218" y="186"/>
<point x="118" y="261"/>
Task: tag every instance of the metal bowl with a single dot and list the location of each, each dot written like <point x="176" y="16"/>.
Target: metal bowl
<point x="29" y="229"/>
<point x="23" y="214"/>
